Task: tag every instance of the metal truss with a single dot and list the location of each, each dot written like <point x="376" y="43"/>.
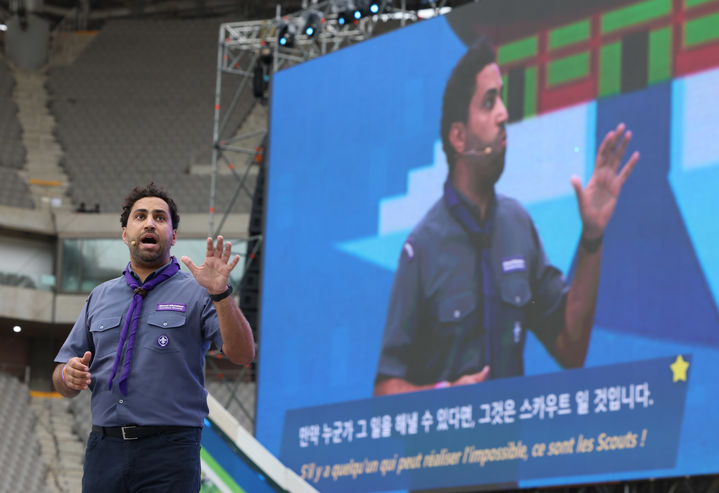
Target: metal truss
<point x="240" y="45"/>
<point x="239" y="48"/>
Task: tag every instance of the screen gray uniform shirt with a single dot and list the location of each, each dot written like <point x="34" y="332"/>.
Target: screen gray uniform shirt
<point x="436" y="327"/>
<point x="166" y="381"/>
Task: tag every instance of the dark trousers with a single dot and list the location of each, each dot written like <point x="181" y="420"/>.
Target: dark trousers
<point x="156" y="464"/>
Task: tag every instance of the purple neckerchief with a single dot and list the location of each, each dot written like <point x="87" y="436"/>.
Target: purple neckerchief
<point x="134" y="313"/>
<point x="479" y="233"/>
<point x="461" y="212"/>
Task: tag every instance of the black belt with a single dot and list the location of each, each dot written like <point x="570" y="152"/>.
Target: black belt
<point x="132" y="432"/>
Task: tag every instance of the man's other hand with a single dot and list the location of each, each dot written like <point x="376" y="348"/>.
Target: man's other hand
<point x="473" y="378"/>
<point x="76" y="374"/>
<point x="598" y="200"/>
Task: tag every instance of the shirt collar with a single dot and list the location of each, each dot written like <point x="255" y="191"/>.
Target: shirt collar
<point x="472" y="207"/>
<point x="153" y="273"/>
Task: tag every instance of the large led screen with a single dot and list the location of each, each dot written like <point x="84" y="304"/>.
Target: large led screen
<point x="370" y="274"/>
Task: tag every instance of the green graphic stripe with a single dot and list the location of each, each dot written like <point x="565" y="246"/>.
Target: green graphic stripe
<point x="573" y="33"/>
<point x="568" y="68"/>
<point x="610" y="69"/>
<point x="701" y="30"/>
<point x="634" y="14"/>
<point x="517" y="50"/>
<point x="530" y="91"/>
<point x="220" y="471"/>
<point x="660" y="55"/>
<point x="693" y="3"/>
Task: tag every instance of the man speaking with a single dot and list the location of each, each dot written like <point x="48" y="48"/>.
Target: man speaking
<point x="139" y="346"/>
<point x="472" y="276"/>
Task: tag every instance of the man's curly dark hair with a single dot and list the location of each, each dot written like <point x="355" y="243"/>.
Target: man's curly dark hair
<point x="149" y="190"/>
<point x="461" y="87"/>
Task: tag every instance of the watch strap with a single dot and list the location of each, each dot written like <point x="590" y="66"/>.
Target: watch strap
<point x="221" y="296"/>
<point x="591" y="246"/>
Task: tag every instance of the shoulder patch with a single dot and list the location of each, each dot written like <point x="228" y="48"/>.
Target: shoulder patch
<point x="408" y="250"/>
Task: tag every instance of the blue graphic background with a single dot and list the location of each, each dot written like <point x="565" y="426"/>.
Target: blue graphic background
<point x="355" y="161"/>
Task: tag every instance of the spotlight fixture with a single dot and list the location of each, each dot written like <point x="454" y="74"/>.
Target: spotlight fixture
<point x="287" y="30"/>
<point x="363" y="8"/>
<point x="347" y="12"/>
<point x="373" y="7"/>
<point x="313" y="20"/>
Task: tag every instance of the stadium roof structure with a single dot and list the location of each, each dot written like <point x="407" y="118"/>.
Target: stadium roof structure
<point x="90" y="14"/>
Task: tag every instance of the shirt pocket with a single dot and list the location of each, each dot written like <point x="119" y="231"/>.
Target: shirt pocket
<point x="457" y="347"/>
<point x="164" y="333"/>
<point x="457" y="310"/>
<point x="105" y="333"/>
<point x="515" y="290"/>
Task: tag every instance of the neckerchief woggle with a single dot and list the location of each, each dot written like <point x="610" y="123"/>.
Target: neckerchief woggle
<point x="480" y="235"/>
<point x="131" y="318"/>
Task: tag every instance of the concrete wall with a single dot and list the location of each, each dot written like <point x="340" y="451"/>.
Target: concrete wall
<point x="27" y="244"/>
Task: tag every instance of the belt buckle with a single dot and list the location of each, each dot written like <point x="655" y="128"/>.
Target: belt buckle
<point x="124" y="430"/>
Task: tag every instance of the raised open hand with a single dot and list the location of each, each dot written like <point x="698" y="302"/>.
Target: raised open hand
<point x="214" y="272"/>
<point x="598" y="200"/>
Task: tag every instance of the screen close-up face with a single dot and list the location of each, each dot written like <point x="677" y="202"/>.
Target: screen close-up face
<point x="416" y="315"/>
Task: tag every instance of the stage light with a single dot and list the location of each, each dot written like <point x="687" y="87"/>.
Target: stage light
<point x="313" y="23"/>
<point x="361" y="9"/>
<point x="286" y="33"/>
<point x="346" y="12"/>
<point x="345" y="17"/>
<point x="17" y="329"/>
<point x="375" y="7"/>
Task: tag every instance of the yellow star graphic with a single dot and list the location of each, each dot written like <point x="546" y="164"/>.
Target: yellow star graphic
<point x="679" y="369"/>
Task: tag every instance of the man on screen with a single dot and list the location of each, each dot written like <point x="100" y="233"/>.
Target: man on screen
<point x="472" y="275"/>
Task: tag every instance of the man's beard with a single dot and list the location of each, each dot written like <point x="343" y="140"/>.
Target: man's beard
<point x="496" y="166"/>
<point x="487" y="169"/>
<point x="145" y="257"/>
<point x="486" y="158"/>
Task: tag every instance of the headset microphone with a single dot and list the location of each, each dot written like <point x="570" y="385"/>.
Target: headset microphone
<point x="133" y="243"/>
<point x="484" y="151"/>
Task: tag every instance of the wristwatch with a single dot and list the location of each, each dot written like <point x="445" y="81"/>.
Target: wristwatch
<point x="591" y="246"/>
<point x="221" y="296"/>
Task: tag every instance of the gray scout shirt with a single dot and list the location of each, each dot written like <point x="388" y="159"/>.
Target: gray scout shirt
<point x="166" y="382"/>
<point x="441" y="324"/>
